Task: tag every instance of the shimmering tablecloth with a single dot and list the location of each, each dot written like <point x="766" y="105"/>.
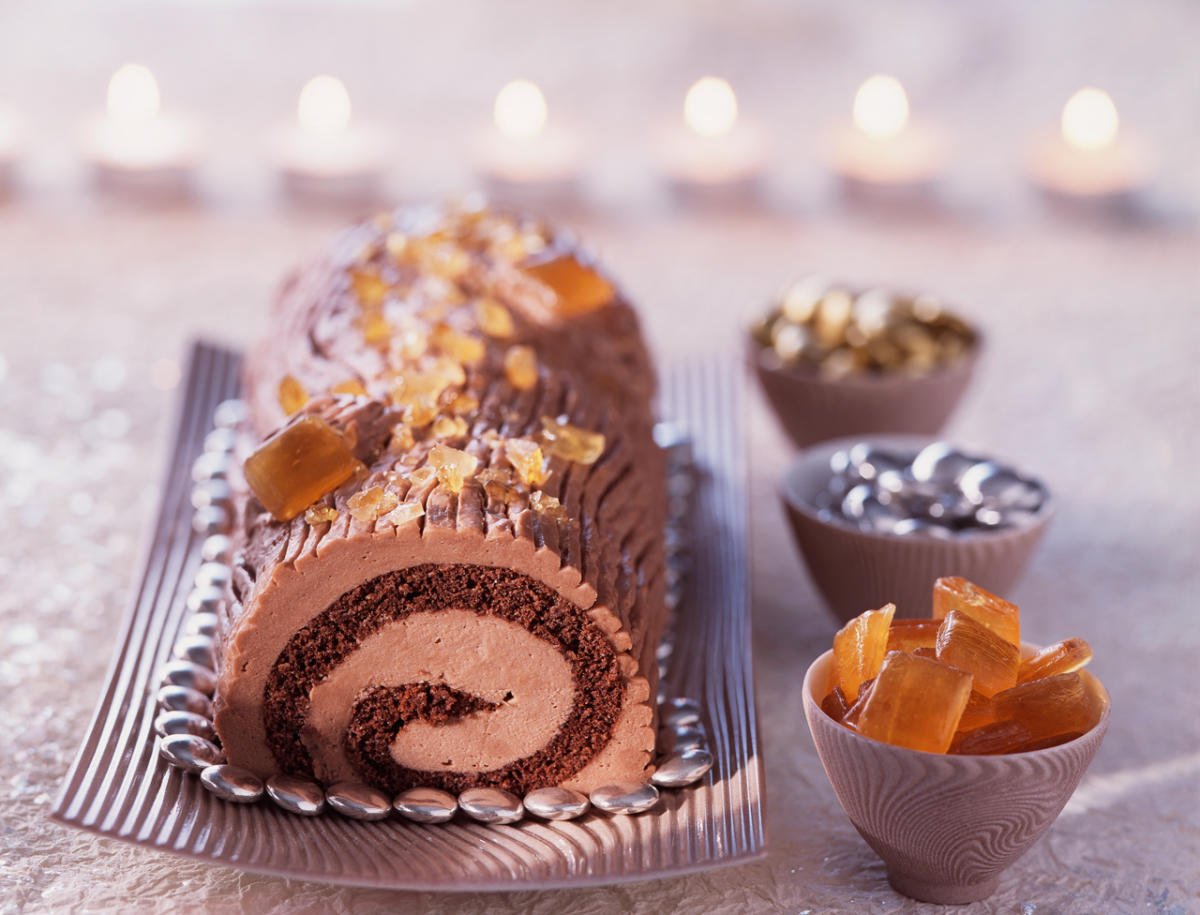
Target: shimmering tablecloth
<point x="1089" y="377"/>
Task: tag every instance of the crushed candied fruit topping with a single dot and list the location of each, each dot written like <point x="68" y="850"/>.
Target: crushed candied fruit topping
<point x="546" y="504"/>
<point x="375" y="328"/>
<point x="462" y="347"/>
<point x="571" y="443"/>
<point x="320" y="514"/>
<point x="369" y="287"/>
<point x="402" y="439"/>
<point x="463" y="404"/>
<point x="577" y="288"/>
<point x="353" y="386"/>
<point x="453" y="467"/>
<point x="521" y="367"/>
<point x="494" y="319"/>
<point x="404" y="512"/>
<point x="449" y="427"/>
<point x="526" y="457"/>
<point x="292" y="394"/>
<point x="421" y="476"/>
<point x="396" y="244"/>
<point x="371" y="504"/>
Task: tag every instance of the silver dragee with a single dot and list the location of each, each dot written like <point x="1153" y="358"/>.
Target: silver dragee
<point x="180" y="722"/>
<point x="212" y="520"/>
<point x="491" y="805"/>
<point x="193" y="676"/>
<point x="210" y="493"/>
<point x="232" y="783"/>
<point x="212" y="575"/>
<point x="296" y="795"/>
<point x="189" y="752"/>
<point x="625" y="798"/>
<point x="358" y="801"/>
<point x="230" y="414"/>
<point x="683" y="767"/>
<point x="217" y="548"/>
<point x="202" y="624"/>
<point x="556" y="803"/>
<point x="199" y="649"/>
<point x="185" y="699"/>
<point x="426" y="805"/>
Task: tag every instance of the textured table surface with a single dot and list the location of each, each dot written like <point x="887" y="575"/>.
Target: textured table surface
<point x="1089" y="378"/>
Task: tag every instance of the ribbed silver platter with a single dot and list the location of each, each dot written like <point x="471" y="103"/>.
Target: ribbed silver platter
<point x="119" y="787"/>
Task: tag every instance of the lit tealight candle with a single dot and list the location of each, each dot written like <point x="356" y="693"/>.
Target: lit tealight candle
<point x="134" y="143"/>
<point x="1089" y="157"/>
<point x="883" y="146"/>
<point x="523" y="151"/>
<point x="715" y="148"/>
<point x="325" y="153"/>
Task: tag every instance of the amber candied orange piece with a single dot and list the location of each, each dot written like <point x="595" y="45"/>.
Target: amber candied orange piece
<point x="577" y="288"/>
<point x="834" y="705"/>
<point x="909" y="635"/>
<point x="968" y="645"/>
<point x="997" y="614"/>
<point x="977" y="713"/>
<point x="989" y="739"/>
<point x="915" y="703"/>
<point x="1050" y="707"/>
<point x="1060" y="658"/>
<point x="859" y="647"/>
<point x="298" y="465"/>
<point x="850" y="719"/>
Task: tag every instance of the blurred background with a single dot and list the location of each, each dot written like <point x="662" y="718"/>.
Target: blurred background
<point x="1088" y="378"/>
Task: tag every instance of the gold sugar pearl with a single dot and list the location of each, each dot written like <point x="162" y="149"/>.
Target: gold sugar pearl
<point x="521" y="367"/>
<point x="292" y="394"/>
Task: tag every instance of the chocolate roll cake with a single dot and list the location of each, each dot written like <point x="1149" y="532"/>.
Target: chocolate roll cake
<point x="451" y="571"/>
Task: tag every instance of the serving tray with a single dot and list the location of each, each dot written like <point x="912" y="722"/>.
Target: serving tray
<point x="119" y="787"/>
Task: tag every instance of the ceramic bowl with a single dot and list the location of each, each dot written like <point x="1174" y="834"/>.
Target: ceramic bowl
<point x="946" y="826"/>
<point x="859" y="570"/>
<point x="812" y="408"/>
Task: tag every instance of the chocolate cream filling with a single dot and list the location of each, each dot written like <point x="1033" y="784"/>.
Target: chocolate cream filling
<point x="380" y="712"/>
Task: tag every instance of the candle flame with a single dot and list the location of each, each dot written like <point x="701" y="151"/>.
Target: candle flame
<point x="710" y="107"/>
<point x="1089" y="119"/>
<point x="881" y="107"/>
<point x="324" y="105"/>
<point x="133" y="94"/>
<point x="520" y="110"/>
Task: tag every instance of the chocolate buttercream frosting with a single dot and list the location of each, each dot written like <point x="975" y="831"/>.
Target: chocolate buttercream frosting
<point x="478" y="601"/>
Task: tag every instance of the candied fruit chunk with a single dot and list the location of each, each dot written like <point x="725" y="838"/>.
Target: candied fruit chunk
<point x="376" y="328"/>
<point x="404" y="512"/>
<point x="452" y="466"/>
<point x="834" y="705"/>
<point x="909" y="635"/>
<point x="571" y="443"/>
<point x="1060" y="658"/>
<point x="371" y="504"/>
<point x="353" y="386"/>
<point x="402" y="439"/>
<point x="969" y="645"/>
<point x="526" y="458"/>
<point x="997" y="614"/>
<point x="1050" y="707"/>
<point x="459" y="346"/>
<point x="320" y="514"/>
<point x="915" y="703"/>
<point x="463" y="404"/>
<point x="369" y="287"/>
<point x="855" y="711"/>
<point x="396" y="244"/>
<point x="990" y="739"/>
<point x="421" y="476"/>
<point x="577" y="288"/>
<point x="521" y="367"/>
<point x="494" y="319"/>
<point x="298" y="465"/>
<point x="859" y="648"/>
<point x="977" y="713"/>
<point x="292" y="395"/>
<point x="449" y="427"/>
<point x="546" y="504"/>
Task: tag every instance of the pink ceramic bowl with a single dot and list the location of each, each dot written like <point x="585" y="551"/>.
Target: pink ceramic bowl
<point x="812" y="408"/>
<point x="946" y="826"/>
<point x="858" y="570"/>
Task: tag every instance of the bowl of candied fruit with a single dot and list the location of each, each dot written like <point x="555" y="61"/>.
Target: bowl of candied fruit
<point x="878" y="518"/>
<point x="834" y="361"/>
<point x="952" y="745"/>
